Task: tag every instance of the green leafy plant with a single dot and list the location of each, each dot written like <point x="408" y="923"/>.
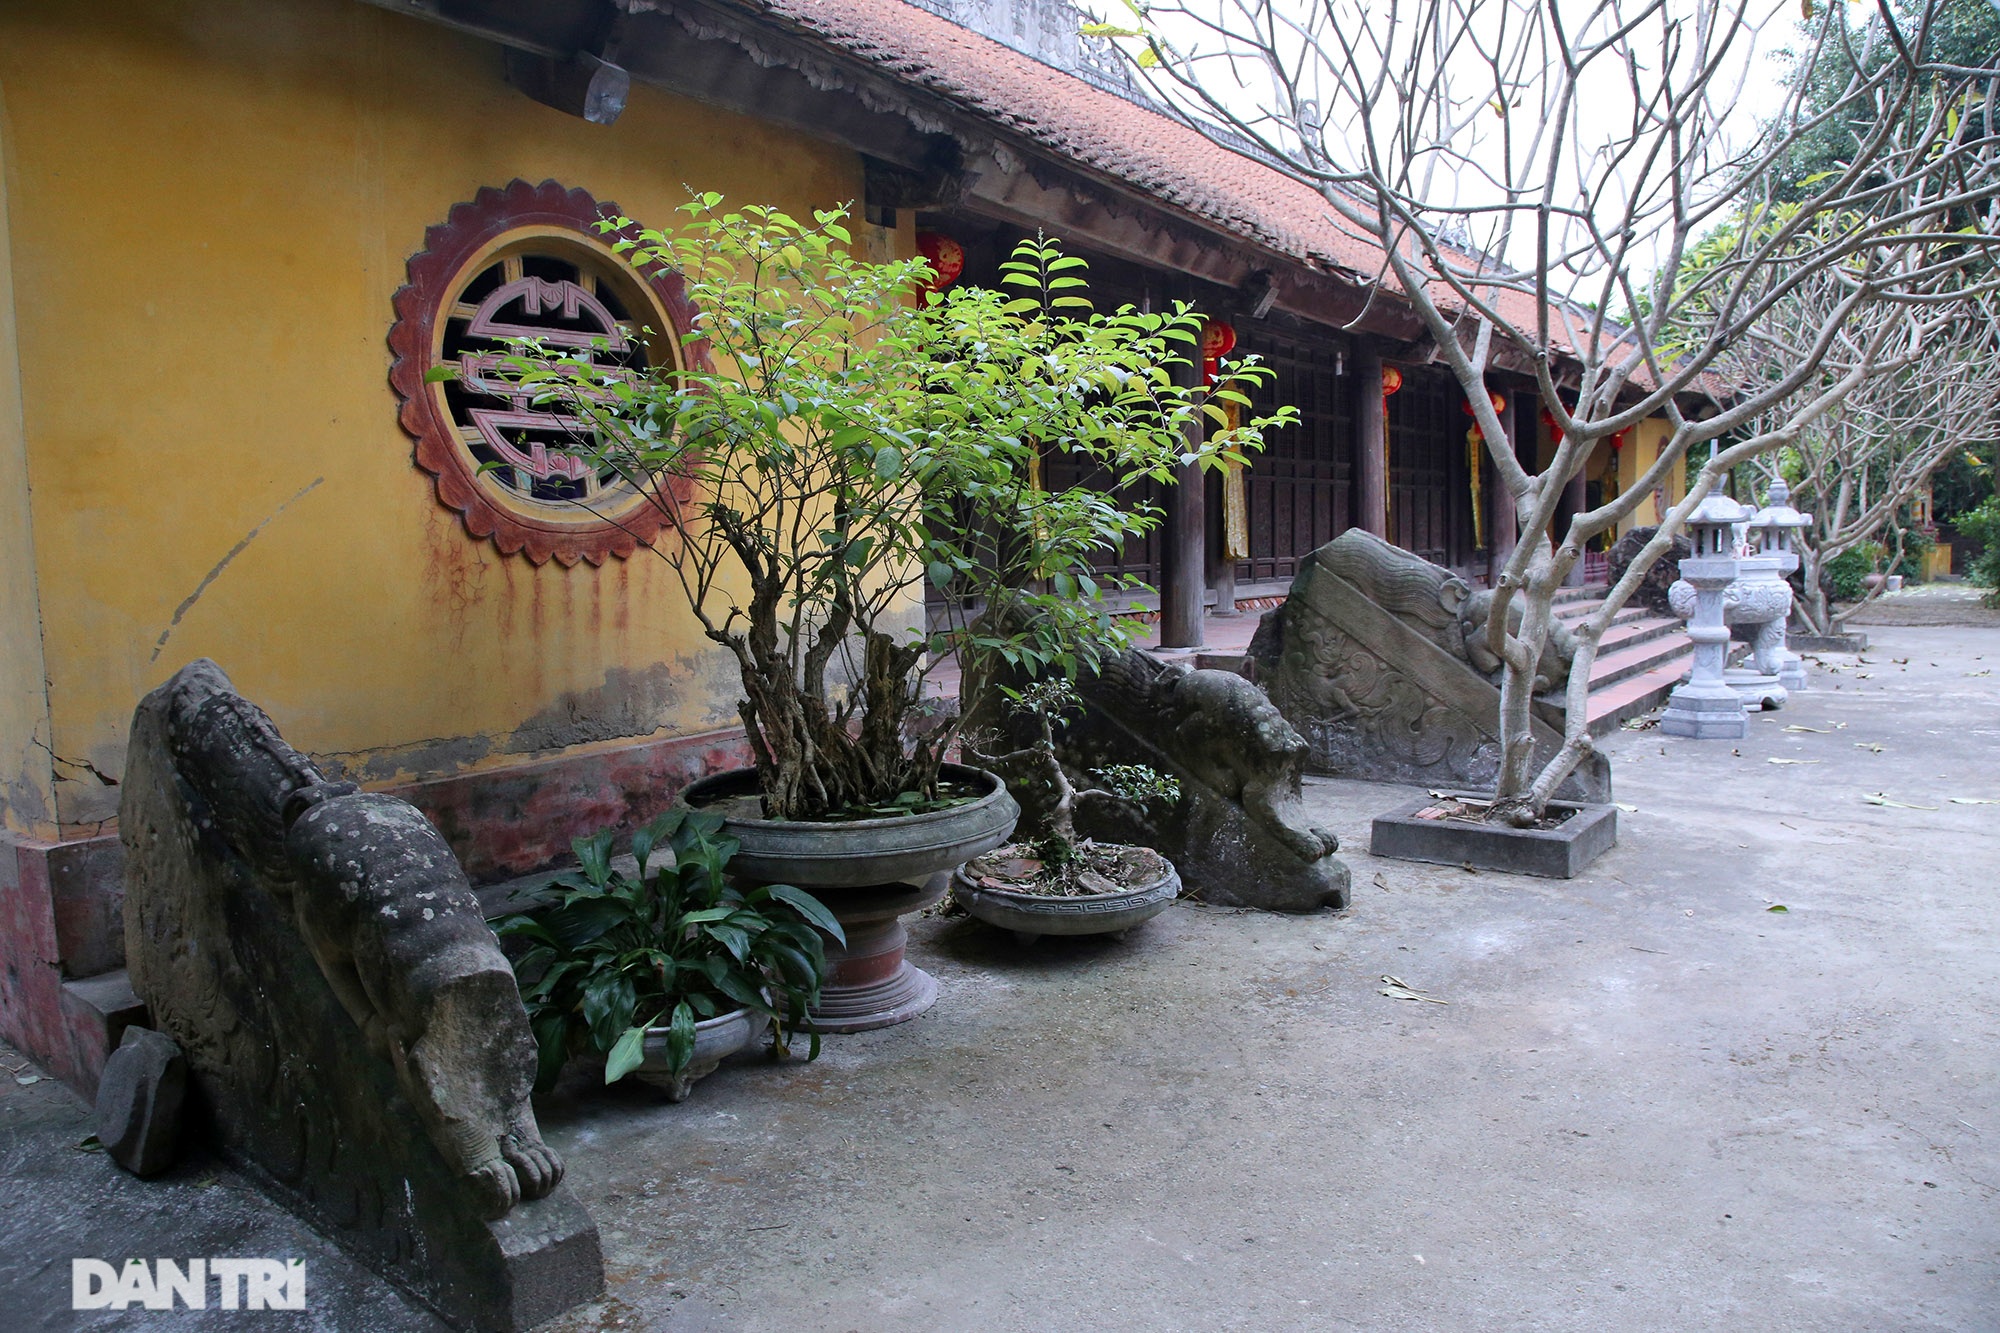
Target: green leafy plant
<point x="1049" y="798"/>
<point x="1017" y="381"/>
<point x="1982" y="525"/>
<point x="608" y="956"/>
<point x="1916" y="544"/>
<point x="843" y="440"/>
<point x="1843" y="575"/>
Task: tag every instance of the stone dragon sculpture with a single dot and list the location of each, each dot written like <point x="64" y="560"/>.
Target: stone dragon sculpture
<point x="372" y="891"/>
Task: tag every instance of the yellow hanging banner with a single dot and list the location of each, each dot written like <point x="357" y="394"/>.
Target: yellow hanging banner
<point x="1235" y="501"/>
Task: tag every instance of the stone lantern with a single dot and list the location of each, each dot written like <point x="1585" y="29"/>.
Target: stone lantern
<point x="1775" y="531"/>
<point x="1704" y="706"/>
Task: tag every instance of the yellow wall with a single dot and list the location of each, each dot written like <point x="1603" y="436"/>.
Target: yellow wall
<point x="27" y="780"/>
<point x="212" y="204"/>
<point x="1642" y="447"/>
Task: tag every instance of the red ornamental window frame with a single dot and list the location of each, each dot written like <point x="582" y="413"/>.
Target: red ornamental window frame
<point x="530" y="220"/>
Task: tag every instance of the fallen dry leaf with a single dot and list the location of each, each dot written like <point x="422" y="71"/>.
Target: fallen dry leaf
<point x="1817" y="731"/>
<point x="1877" y="798"/>
<point x="1870" y="746"/>
<point x="1394" y="988"/>
<point x="1974" y="800"/>
<point x="1794" y="761"/>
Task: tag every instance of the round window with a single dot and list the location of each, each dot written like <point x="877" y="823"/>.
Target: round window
<point x="528" y="262"/>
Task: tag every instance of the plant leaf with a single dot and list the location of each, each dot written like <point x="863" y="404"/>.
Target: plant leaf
<point x="812" y="909"/>
<point x="627" y="1055"/>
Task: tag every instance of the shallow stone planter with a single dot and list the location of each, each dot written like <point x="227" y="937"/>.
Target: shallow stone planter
<point x="715" y="1040"/>
<point x="870" y="873"/>
<point x="1558" y="853"/>
<point x="1031" y="916"/>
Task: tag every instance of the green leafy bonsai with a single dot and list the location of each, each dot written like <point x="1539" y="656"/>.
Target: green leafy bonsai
<point x="609" y="956"/>
<point x="1047" y="857"/>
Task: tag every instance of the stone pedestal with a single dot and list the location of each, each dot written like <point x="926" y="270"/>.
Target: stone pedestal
<point x="1704" y="706"/>
<point x="869" y="983"/>
<point x="1757" y="609"/>
<point x="1776" y="528"/>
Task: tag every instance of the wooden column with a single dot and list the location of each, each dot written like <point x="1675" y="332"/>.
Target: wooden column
<point x="1575" y="500"/>
<point x="1371" y="440"/>
<point x="1503" y="525"/>
<point x="1186" y="545"/>
<point x="1221" y="569"/>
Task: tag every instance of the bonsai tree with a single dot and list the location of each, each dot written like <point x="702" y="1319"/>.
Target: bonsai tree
<point x="1028" y="375"/>
<point x="844" y="440"/>
<point x="610" y="956"/>
<point x="1057" y="862"/>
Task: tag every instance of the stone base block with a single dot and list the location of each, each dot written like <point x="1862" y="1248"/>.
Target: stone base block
<point x="1757" y="691"/>
<point x="1558" y="853"/>
<point x="1714" y="714"/>
<point x="139" y="1102"/>
<point x="96" y="1012"/>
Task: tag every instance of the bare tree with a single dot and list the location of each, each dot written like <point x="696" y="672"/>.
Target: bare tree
<point x="1861" y="464"/>
<point x="1524" y="169"/>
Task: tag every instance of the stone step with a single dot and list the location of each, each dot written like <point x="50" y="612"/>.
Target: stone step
<point x="1634" y="696"/>
<point x="1631" y="633"/>
<point x="95" y="1011"/>
<point x="1588" y="592"/>
<point x="1577" y="612"/>
<point x="1636" y="658"/>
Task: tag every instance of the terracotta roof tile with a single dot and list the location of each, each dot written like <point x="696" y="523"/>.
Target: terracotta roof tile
<point x="1096" y="129"/>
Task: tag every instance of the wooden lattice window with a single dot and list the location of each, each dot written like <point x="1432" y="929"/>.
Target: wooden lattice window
<point x="528" y="261"/>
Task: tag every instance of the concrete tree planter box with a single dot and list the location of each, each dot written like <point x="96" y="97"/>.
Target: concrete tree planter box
<point x="1827" y="643"/>
<point x="1558" y="853"/>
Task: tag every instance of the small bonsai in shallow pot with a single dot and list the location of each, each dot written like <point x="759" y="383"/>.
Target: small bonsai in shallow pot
<point x="1050" y="881"/>
<point x="669" y="969"/>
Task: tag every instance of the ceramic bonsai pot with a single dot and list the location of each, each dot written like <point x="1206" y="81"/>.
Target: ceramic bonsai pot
<point x="715" y="1040"/>
<point x="1031" y="916"/>
<point x="870" y="873"/>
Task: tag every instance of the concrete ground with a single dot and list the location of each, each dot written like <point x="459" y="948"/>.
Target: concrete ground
<point x="1946" y="602"/>
<point x="1648" y="1100"/>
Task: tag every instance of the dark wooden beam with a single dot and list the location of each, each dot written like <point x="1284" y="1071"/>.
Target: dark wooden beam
<point x="1371" y="442"/>
<point x="1184" y="589"/>
<point x="585" y="85"/>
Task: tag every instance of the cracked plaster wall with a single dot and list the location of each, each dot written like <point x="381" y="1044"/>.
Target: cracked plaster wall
<point x="27" y="798"/>
<point x="212" y="206"/>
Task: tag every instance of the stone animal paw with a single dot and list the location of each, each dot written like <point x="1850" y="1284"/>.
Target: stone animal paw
<point x="495" y="1185"/>
<point x="535" y="1164"/>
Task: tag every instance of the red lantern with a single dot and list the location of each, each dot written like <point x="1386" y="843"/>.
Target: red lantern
<point x="1217" y="341"/>
<point x="1499" y="401"/>
<point x="1392" y="380"/>
<point x="946" y="256"/>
